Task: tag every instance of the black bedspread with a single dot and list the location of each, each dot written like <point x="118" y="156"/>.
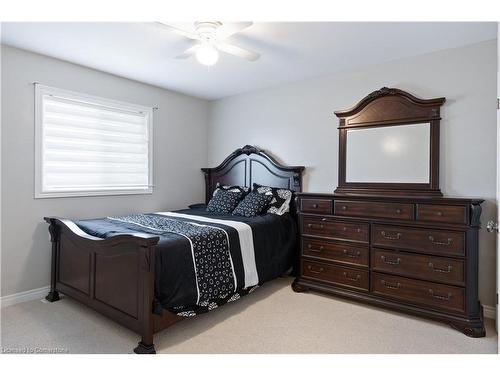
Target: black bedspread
<point x="274" y="239"/>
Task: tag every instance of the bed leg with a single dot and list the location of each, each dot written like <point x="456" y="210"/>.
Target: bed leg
<point x="147" y="279"/>
<point x="146" y="345"/>
<point x="53" y="295"/>
<point x="143" y="348"/>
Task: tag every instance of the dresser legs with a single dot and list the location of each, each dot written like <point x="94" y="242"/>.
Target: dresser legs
<point x="299" y="288"/>
<point x="470" y="329"/>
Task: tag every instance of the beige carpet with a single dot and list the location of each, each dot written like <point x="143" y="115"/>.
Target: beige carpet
<point x="273" y="319"/>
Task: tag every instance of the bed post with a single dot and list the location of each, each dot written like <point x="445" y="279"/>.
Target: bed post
<point x="207" y="172"/>
<point x="53" y="295"/>
<point x="147" y="287"/>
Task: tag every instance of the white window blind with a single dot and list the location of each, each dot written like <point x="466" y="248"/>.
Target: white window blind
<point x="90" y="146"/>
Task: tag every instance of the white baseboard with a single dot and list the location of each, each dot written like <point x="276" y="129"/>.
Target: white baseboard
<point x="29" y="295"/>
<point x="490" y="312"/>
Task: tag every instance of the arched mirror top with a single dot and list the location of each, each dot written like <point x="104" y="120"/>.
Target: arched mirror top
<point x="389" y="145"/>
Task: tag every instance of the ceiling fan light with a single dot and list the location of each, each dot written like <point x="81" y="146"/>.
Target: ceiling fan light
<point x="207" y="55"/>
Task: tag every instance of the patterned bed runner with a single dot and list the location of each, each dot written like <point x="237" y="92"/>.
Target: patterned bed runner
<point x="213" y="266"/>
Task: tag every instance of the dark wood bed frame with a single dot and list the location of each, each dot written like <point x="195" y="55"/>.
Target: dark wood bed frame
<point x="115" y="276"/>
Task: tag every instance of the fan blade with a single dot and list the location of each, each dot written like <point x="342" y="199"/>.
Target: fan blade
<point x="228" y="29"/>
<point x="238" y="51"/>
<point x="185" y="33"/>
<point x="188" y="53"/>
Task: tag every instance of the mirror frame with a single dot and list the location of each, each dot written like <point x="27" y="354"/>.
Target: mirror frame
<point x="391" y="107"/>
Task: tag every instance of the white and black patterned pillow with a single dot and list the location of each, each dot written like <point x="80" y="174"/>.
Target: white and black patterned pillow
<point x="252" y="205"/>
<point x="224" y="201"/>
<point x="233" y="188"/>
<point x="281" y="198"/>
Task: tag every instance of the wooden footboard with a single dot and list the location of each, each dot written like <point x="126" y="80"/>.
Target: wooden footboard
<point x="114" y="276"/>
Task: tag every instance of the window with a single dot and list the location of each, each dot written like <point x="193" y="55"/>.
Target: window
<point x="86" y="145"/>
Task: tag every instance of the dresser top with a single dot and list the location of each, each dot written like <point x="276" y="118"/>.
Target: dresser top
<point x="431" y="200"/>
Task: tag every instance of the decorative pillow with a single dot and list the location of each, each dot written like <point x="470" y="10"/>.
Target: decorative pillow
<point x="234" y="189"/>
<point x="224" y="201"/>
<point x="281" y="197"/>
<point x="252" y="205"/>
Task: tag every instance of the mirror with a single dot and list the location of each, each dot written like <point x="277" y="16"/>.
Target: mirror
<point x="389" y="146"/>
<point x="388" y="154"/>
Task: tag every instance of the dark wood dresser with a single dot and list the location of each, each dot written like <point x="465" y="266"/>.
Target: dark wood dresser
<point x="413" y="255"/>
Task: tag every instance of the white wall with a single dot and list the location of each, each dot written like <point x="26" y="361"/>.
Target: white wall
<point x="180" y="150"/>
<point x="296" y="122"/>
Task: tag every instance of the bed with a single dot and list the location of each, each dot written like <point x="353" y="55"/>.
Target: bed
<point x="148" y="271"/>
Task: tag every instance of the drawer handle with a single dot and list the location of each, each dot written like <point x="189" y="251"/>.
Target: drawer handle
<point x="398" y="211"/>
<point x="447" y="270"/>
<point x="358" y="230"/>
<point x="315" y="205"/>
<point x="440" y="243"/>
<point x="321" y="248"/>
<point x="320" y="270"/>
<point x="357" y="278"/>
<point x="437" y="296"/>
<point x="439" y="213"/>
<point x="344" y="208"/>
<point x="321" y="226"/>
<point x="388" y="236"/>
<point x="351" y="254"/>
<point x="391" y="286"/>
<point x="388" y="261"/>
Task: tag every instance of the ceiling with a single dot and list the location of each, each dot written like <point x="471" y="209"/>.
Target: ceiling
<point x="290" y="51"/>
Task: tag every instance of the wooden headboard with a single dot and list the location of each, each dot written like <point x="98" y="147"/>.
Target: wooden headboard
<point x="248" y="165"/>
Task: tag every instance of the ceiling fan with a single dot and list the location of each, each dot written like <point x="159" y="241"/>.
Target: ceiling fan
<point x="209" y="37"/>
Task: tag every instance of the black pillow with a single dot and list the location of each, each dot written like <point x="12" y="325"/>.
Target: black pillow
<point x="232" y="188"/>
<point x="224" y="201"/>
<point x="281" y="197"/>
<point x="252" y="205"/>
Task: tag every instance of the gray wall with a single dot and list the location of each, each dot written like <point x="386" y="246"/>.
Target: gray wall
<point x="296" y="122"/>
<point x="180" y="149"/>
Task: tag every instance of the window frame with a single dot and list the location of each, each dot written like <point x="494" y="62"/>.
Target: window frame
<point x="40" y="91"/>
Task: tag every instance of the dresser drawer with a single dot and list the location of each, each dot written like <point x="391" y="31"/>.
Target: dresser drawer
<point x="316" y="206"/>
<point x="441" y="213"/>
<point x="329" y="227"/>
<point x="440" y="242"/>
<point x="335" y="274"/>
<point x="348" y="254"/>
<point x="421" y="292"/>
<point x="421" y="266"/>
<point x="374" y="209"/>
